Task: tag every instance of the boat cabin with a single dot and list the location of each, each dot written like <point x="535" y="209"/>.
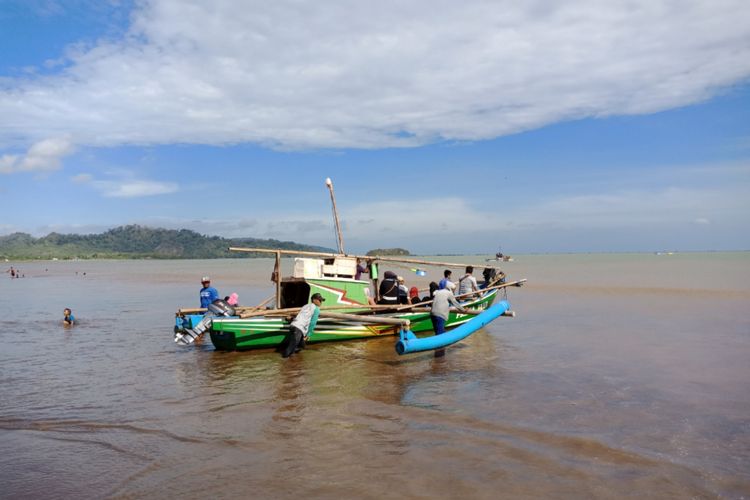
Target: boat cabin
<point x="332" y="277"/>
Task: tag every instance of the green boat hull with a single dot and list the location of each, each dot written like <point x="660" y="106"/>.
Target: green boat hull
<point x="235" y="334"/>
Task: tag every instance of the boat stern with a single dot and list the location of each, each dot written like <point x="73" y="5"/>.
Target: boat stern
<point x="223" y="341"/>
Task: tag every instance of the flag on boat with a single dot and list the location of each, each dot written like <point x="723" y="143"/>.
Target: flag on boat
<point x="420" y="272"/>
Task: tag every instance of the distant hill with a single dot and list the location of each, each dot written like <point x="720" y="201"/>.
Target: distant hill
<point x="389" y="252"/>
<point x="136" y="242"/>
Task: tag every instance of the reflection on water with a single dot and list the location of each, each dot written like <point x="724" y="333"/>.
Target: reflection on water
<point x="621" y="376"/>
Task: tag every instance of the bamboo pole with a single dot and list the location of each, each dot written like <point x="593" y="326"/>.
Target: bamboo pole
<point x="269" y="299"/>
<point x="370" y="308"/>
<point x="191" y="310"/>
<point x="365" y="257"/>
<point x="249" y="312"/>
<point x="278" y="280"/>
<point x="260" y="307"/>
<point x="339" y="237"/>
<point x="479" y="292"/>
<point x="365" y="319"/>
<point x="294" y="310"/>
<point x="201" y="310"/>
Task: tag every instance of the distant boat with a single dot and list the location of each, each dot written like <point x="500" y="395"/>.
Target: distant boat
<point x="500" y="257"/>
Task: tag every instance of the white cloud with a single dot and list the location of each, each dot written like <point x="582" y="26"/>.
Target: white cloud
<point x="455" y="224"/>
<point x="124" y="185"/>
<point x="82" y="178"/>
<point x="134" y="188"/>
<point x="637" y="209"/>
<point x="8" y="163"/>
<point x="699" y="216"/>
<point x="368" y="75"/>
<point x="43" y="156"/>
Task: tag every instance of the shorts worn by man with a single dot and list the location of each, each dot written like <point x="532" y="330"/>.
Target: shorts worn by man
<point x="302" y="327"/>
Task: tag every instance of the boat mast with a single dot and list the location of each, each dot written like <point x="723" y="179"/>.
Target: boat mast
<point x="340" y="241"/>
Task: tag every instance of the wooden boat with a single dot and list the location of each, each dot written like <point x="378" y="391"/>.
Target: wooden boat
<point x="346" y="313"/>
<point x="500" y="257"/>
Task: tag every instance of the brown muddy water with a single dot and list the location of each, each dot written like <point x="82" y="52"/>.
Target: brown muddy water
<point x="621" y="376"/>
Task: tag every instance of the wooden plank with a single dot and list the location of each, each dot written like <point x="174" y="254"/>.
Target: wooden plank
<point x="365" y="257"/>
<point x="365" y="319"/>
<point x="249" y="312"/>
<point x="277" y="269"/>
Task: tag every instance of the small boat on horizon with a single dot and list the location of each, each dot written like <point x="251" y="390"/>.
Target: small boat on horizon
<point x="501" y="257"/>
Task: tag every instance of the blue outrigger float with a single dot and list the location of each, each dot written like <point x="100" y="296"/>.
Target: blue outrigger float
<point x="409" y="343"/>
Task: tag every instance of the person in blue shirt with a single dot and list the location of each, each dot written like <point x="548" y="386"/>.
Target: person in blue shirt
<point x="208" y="293"/>
<point x="68" y="318"/>
<point x="446" y="281"/>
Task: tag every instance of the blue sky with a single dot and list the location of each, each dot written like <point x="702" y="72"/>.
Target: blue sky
<point x="446" y="127"/>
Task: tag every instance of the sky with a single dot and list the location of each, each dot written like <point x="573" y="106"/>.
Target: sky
<point x="446" y="127"/>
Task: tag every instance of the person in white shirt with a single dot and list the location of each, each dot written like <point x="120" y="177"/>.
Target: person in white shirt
<point x="441" y="303"/>
<point x="302" y="326"/>
<point x="467" y="283"/>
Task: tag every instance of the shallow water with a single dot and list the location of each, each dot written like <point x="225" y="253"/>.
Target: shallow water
<point x="622" y="375"/>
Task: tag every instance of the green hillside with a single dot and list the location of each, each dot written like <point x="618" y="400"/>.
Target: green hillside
<point x="398" y="252"/>
<point x="135" y="242"/>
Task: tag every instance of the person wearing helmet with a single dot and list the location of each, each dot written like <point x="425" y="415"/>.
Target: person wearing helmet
<point x="208" y="293"/>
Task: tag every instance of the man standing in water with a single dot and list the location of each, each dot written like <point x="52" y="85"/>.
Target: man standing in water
<point x="303" y="326"/>
<point x="208" y="293"/>
<point x="441" y="302"/>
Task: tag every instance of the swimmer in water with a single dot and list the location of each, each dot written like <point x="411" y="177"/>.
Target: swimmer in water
<point x="68" y="318"/>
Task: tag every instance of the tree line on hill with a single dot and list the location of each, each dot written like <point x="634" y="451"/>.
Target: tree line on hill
<point x="389" y="252"/>
<point x="136" y="241"/>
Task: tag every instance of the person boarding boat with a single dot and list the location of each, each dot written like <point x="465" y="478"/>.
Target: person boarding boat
<point x="302" y="326"/>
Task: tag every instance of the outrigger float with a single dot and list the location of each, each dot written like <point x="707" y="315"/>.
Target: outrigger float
<point x="347" y="313"/>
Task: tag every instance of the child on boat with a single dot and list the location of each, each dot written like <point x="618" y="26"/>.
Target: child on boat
<point x="232" y="300"/>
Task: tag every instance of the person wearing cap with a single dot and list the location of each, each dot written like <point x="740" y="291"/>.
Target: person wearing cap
<point x="208" y="293"/>
<point x="302" y="326"/>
